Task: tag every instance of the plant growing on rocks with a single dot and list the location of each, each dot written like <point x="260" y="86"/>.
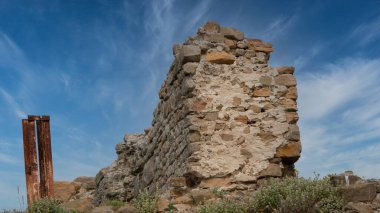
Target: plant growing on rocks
<point x="46" y="205"/>
<point x="115" y="203"/>
<point x="297" y="195"/>
<point x="146" y="202"/>
<point x="223" y="206"/>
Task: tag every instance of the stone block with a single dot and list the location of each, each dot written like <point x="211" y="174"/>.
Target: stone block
<point x="273" y="170"/>
<point x="289" y="152"/>
<point x="286" y="80"/>
<point x="285" y="70"/>
<point x="262" y="92"/>
<point x="210" y="28"/>
<point x="191" y="53"/>
<point x="214" y="38"/>
<point x="220" y="58"/>
<point x="364" y="192"/>
<point x="242" y="119"/>
<point x="64" y="190"/>
<point x="201" y="195"/>
<point x="292" y="93"/>
<point x="232" y="33"/>
<point x="190" y="68"/>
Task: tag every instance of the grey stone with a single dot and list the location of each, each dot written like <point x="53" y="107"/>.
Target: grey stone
<point x="232" y="33"/>
<point x="191" y="53"/>
<point x="103" y="209"/>
<point x="364" y="192"/>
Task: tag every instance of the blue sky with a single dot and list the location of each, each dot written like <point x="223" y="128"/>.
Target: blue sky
<point x="96" y="67"/>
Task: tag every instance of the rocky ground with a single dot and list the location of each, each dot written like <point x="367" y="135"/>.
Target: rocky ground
<point x="362" y="196"/>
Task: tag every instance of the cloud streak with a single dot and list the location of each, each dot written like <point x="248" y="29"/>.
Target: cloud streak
<point x="366" y="33"/>
<point x="339" y="118"/>
<point x="13" y="104"/>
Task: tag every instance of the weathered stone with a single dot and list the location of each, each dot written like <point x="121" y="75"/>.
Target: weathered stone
<point x="211" y="116"/>
<point x="183" y="208"/>
<point x="239" y="52"/>
<point x="245" y="152"/>
<point x="214" y="38"/>
<point x="266" y="136"/>
<point x="293" y="133"/>
<point x="201" y="195"/>
<point x="262" y="92"/>
<point x="289" y="152"/>
<point x="190" y="68"/>
<point x="358" y="207"/>
<point x="255" y="108"/>
<point x="191" y="53"/>
<point x="291" y="117"/>
<point x="285" y="70"/>
<point x="210" y="28"/>
<point x="127" y="209"/>
<point x="241" y="118"/>
<point x="198" y="105"/>
<point x="292" y="93"/>
<point x="219" y="126"/>
<point x="242" y="45"/>
<point x="236" y="101"/>
<point x="266" y="80"/>
<point x="232" y="33"/>
<point x="80" y="205"/>
<point x="264" y="49"/>
<point x="286" y="80"/>
<point x="215" y="183"/>
<point x="148" y="171"/>
<point x="103" y="209"/>
<point x="359" y="192"/>
<point x="194" y="136"/>
<point x="220" y="58"/>
<point x="289" y="104"/>
<point x="178" y="182"/>
<point x="230" y="43"/>
<point x="227" y="137"/>
<point x="259" y="46"/>
<point x="340" y="180"/>
<point x="273" y="170"/>
<point x="162" y="205"/>
<point x="185" y="199"/>
<point x="64" y="190"/>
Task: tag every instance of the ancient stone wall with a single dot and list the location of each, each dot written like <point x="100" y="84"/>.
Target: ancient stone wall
<point x="225" y="118"/>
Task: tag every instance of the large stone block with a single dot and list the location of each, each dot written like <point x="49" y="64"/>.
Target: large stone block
<point x="220" y="58"/>
<point x="286" y="80"/>
<point x="191" y="53"/>
<point x="289" y="152"/>
<point x="363" y="192"/>
<point x="232" y="33"/>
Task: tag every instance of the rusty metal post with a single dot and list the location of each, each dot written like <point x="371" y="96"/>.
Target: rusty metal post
<point x="30" y="158"/>
<point x="45" y="157"/>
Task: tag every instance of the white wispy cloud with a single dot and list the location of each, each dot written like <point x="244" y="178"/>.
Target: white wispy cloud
<point x="366" y="33"/>
<point x="279" y="26"/>
<point x="13" y="104"/>
<point x="163" y="25"/>
<point x="339" y="118"/>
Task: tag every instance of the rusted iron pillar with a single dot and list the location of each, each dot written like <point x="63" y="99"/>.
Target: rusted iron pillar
<point x="42" y="186"/>
<point x="45" y="157"/>
<point x="30" y="158"/>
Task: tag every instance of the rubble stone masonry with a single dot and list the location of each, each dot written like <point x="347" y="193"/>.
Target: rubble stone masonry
<point x="225" y="119"/>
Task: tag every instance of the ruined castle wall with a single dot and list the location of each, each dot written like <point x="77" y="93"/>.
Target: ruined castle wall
<point x="225" y="117"/>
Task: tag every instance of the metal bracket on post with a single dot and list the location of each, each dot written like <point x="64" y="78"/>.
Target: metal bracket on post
<point x="42" y="186"/>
